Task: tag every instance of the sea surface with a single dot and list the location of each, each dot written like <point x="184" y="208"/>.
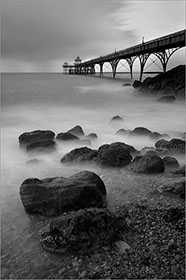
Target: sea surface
<point x="58" y="102"/>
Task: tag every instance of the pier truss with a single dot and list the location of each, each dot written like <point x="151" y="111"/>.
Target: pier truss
<point x="163" y="48"/>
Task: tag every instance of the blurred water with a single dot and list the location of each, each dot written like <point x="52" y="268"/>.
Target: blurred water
<point x="58" y="102"/>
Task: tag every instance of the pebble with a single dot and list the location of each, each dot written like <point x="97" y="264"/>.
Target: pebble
<point x="83" y="274"/>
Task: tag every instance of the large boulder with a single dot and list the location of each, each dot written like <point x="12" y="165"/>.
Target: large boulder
<point x="80" y="155"/>
<point x="162" y="145"/>
<point x="114" y="155"/>
<point x="177" y="145"/>
<point x="170" y="162"/>
<point x="41" y="146"/>
<point x="137" y="84"/>
<point x="149" y="163"/>
<point x="83" y="231"/>
<point x="53" y="196"/>
<point x="92" y="136"/>
<point x="121" y="132"/>
<point x="177" y="187"/>
<point x="76" y="130"/>
<point x="140" y="131"/>
<point x="34" y="136"/>
<point x="66" y="136"/>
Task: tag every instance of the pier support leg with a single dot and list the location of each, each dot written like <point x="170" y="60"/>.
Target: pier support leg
<point x="165" y="56"/>
<point x="130" y="63"/>
<point x="143" y="59"/>
<point x="114" y="64"/>
<point x="101" y="70"/>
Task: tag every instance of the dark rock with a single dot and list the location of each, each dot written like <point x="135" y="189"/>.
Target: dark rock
<point x="115" y="155"/>
<point x="84" y="230"/>
<point x="162" y="144"/>
<point x="121" y="132"/>
<point x="148" y="150"/>
<point x="167" y="98"/>
<point x="66" y="136"/>
<point x="174" y="188"/>
<point x="126" y="84"/>
<point x="53" y="196"/>
<point x="177" y="145"/>
<point x="170" y="82"/>
<point x="170" y="162"/>
<point x="76" y="130"/>
<point x="173" y="214"/>
<point x="92" y="136"/>
<point x="180" y="170"/>
<point x="137" y="84"/>
<point x="79" y="155"/>
<point x="148" y="163"/>
<point x="34" y="136"/>
<point x="116" y="119"/>
<point x="41" y="146"/>
<point x="140" y="131"/>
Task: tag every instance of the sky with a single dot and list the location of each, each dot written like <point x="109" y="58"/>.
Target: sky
<point x="40" y="35"/>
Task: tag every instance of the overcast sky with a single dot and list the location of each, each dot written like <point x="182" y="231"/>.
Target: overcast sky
<point x="39" y="35"/>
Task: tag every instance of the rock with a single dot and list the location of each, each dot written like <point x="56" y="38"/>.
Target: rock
<point x="34" y="136"/>
<point x="180" y="170"/>
<point x="126" y="84"/>
<point x="92" y="136"/>
<point x="115" y="155"/>
<point x="148" y="150"/>
<point x="162" y="145"/>
<point x="122" y="246"/>
<point x="173" y="214"/>
<point x="171" y="82"/>
<point x="53" y="196"/>
<point x="76" y="130"/>
<point x="177" y="145"/>
<point x="177" y="187"/>
<point x="137" y="84"/>
<point x="121" y="132"/>
<point x="66" y="136"/>
<point x="80" y="155"/>
<point x="41" y="146"/>
<point x="140" y="131"/>
<point x="116" y="119"/>
<point x="148" y="163"/>
<point x="84" y="230"/>
<point x="167" y="98"/>
<point x="155" y="135"/>
<point x="170" y="162"/>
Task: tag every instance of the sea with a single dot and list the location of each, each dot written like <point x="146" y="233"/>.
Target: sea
<point x="58" y="102"/>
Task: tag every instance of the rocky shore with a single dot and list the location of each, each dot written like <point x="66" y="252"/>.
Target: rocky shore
<point x="169" y="85"/>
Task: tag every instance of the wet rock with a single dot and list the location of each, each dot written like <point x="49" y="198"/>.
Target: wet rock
<point x="116" y="119"/>
<point x="167" y="98"/>
<point x="84" y="230"/>
<point x="148" y="150"/>
<point x="34" y="136"/>
<point x="170" y="162"/>
<point x="173" y="214"/>
<point x="140" y="131"/>
<point x="66" y="136"/>
<point x="177" y="187"/>
<point x="180" y="170"/>
<point x="92" y="136"/>
<point x="41" y="146"/>
<point x="115" y="155"/>
<point x="80" y="155"/>
<point x="137" y="84"/>
<point x="122" y="246"/>
<point x="177" y="145"/>
<point x="148" y="163"/>
<point x="162" y="145"/>
<point x="53" y="196"/>
<point x="76" y="130"/>
<point x="122" y="132"/>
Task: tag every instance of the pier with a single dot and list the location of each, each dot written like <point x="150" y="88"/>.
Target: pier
<point x="163" y="48"/>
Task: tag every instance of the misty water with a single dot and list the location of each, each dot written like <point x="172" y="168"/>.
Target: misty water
<point x="59" y="102"/>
